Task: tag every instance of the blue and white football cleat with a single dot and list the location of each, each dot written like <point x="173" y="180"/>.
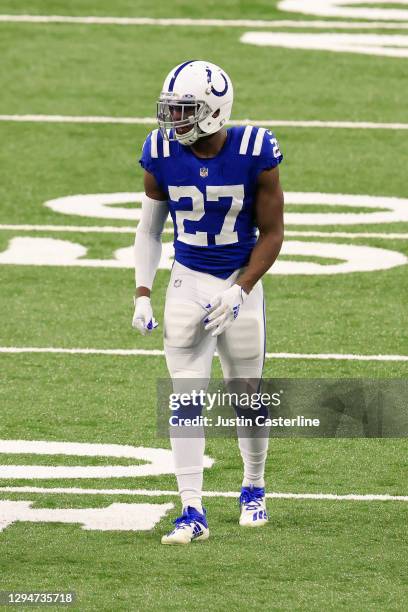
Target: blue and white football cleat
<point x="253" y="508"/>
<point x="191" y="525"/>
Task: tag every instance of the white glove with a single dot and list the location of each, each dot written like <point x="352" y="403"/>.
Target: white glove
<point x="143" y="319"/>
<point x="224" y="309"/>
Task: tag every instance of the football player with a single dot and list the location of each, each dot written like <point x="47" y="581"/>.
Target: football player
<point x="221" y="188"/>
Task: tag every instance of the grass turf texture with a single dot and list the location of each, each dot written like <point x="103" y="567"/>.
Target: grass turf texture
<point x="314" y="554"/>
<point x="80" y="70"/>
<point x="210" y="9"/>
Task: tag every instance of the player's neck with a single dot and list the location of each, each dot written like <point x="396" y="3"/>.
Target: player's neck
<point x="210" y="146"/>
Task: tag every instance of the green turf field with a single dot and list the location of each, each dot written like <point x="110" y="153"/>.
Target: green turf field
<point x="315" y="554"/>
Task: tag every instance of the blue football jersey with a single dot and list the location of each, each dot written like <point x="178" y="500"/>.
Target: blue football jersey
<point x="211" y="201"/>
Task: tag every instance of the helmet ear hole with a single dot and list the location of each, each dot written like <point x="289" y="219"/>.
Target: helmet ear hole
<point x="215" y="115"/>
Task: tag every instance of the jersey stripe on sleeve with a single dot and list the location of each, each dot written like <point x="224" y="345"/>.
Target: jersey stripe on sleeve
<point x="153" y="146"/>
<point x="166" y="148"/>
<point x="258" y="141"/>
<point x="245" y="140"/>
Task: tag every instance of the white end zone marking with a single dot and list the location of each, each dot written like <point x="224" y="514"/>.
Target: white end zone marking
<point x="103" y="206"/>
<point x="157" y="493"/>
<point x="98" y="205"/>
<point x="356" y="258"/>
<point x="54" y="252"/>
<point x="358" y="125"/>
<point x="116" y="517"/>
<point x="159" y="460"/>
<point x="396" y="208"/>
<point x="159" y="353"/>
<point x="342" y="8"/>
<point x="367" y="44"/>
<point x="107" y="229"/>
<point x="352" y="258"/>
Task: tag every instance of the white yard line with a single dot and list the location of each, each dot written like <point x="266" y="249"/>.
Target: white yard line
<point x="77" y="119"/>
<point x="337" y="356"/>
<point x="352" y="125"/>
<point x="156" y="352"/>
<point x="107" y="229"/>
<point x="234" y="494"/>
<point x="347" y="235"/>
<point x="101" y="229"/>
<point x="216" y="23"/>
<point x="82" y="351"/>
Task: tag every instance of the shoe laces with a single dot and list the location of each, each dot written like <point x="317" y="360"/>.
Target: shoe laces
<point x="251" y="497"/>
<point x="190" y="515"/>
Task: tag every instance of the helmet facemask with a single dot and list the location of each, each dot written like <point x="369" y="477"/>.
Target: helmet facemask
<point x="175" y="114"/>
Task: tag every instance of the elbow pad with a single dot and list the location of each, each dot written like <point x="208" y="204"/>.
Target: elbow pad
<point x="148" y="246"/>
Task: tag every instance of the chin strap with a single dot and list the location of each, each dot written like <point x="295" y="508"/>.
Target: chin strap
<point x="192" y="136"/>
<point x="188" y="138"/>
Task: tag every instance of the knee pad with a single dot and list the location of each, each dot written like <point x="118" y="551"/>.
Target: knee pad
<point x="183" y="326"/>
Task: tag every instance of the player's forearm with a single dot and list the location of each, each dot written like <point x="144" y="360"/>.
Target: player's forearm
<point x="262" y="258"/>
<point x="148" y="246"/>
<point x="147" y="252"/>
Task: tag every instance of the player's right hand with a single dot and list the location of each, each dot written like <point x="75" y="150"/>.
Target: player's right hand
<point x="143" y="319"/>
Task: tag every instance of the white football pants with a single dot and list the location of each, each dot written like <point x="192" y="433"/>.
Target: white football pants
<point x="189" y="351"/>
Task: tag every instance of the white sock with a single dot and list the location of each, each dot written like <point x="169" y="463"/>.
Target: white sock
<point x="188" y="456"/>
<point x="254" y="451"/>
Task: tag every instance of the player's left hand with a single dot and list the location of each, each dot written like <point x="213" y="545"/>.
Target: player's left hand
<point x="224" y="309"/>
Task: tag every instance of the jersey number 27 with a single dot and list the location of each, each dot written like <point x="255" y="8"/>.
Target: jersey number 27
<point x="227" y="234"/>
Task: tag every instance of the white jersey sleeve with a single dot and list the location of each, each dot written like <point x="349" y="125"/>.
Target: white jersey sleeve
<point x="148" y="246"/>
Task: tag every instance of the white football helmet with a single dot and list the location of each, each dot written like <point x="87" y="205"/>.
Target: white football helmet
<point x="196" y="101"/>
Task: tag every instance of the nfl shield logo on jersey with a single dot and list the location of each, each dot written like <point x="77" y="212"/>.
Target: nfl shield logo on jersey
<point x="203" y="172"/>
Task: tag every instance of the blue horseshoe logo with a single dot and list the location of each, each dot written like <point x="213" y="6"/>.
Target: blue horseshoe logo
<point x="214" y="91"/>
